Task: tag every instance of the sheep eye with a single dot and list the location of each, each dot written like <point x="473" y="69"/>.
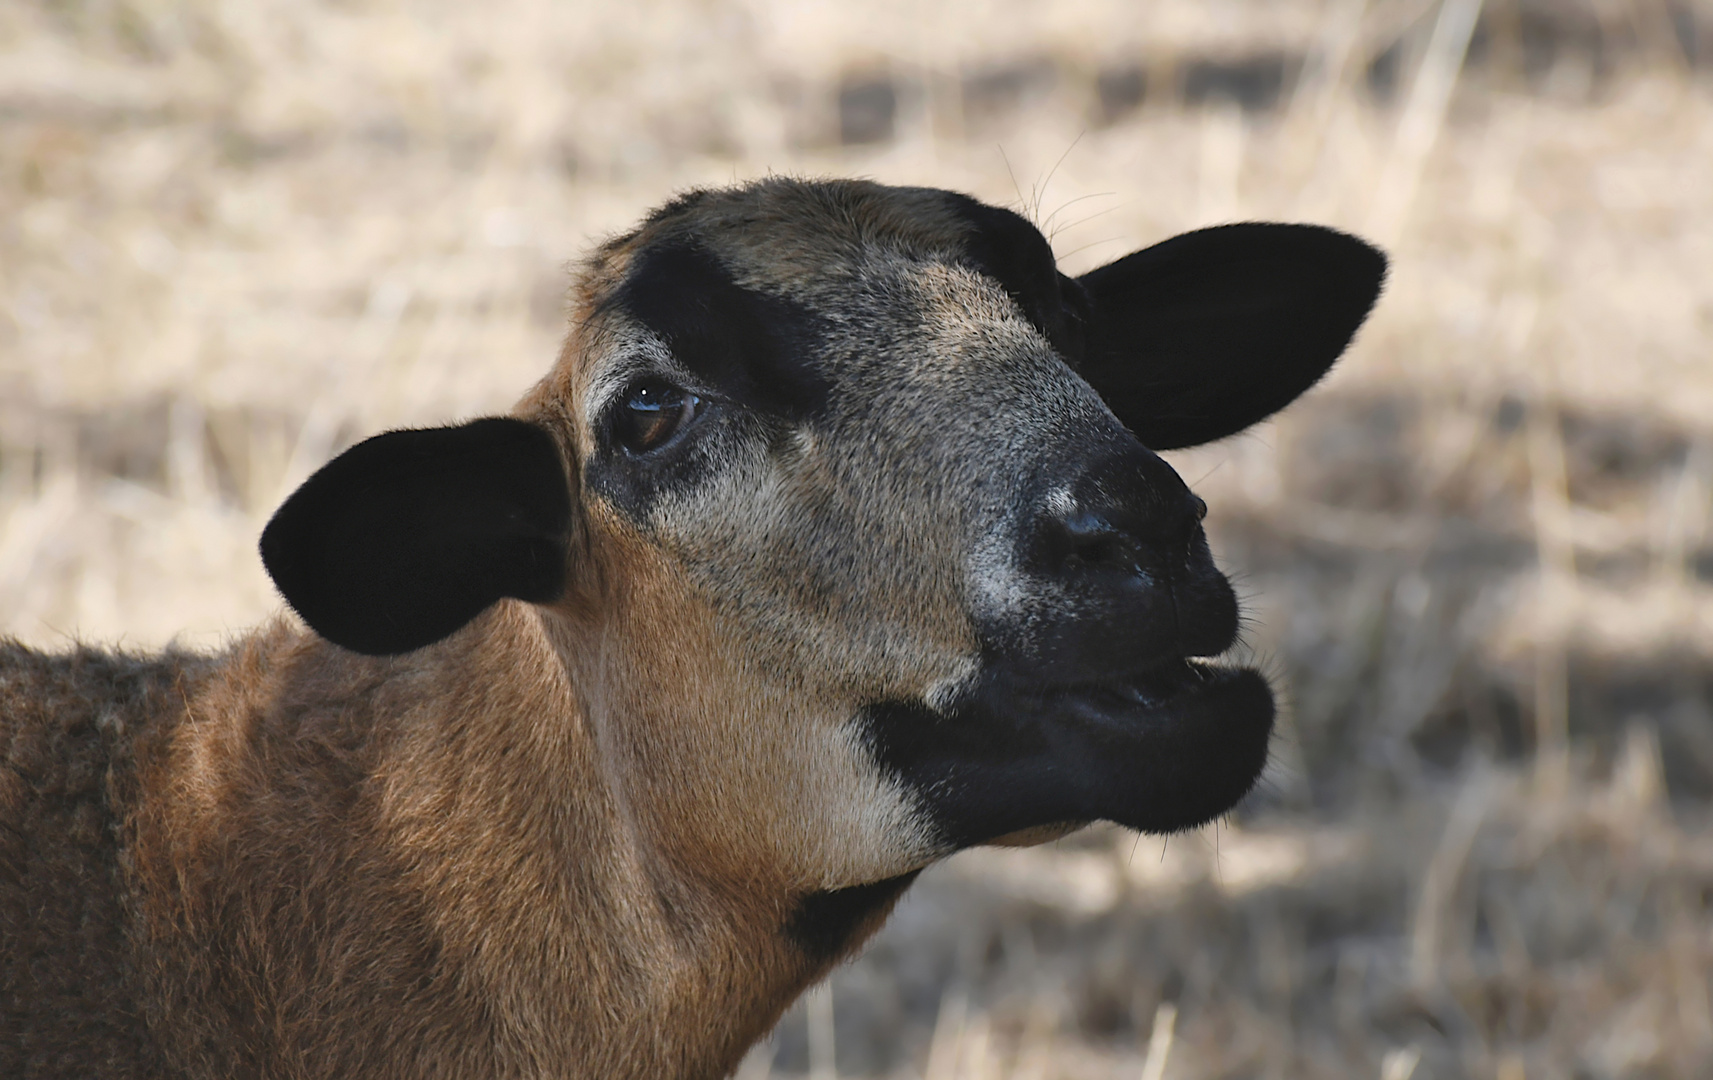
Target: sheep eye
<point x="653" y="412"/>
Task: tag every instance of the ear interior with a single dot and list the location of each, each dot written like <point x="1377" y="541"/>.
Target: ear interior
<point x="1204" y="334"/>
<point x="407" y="536"/>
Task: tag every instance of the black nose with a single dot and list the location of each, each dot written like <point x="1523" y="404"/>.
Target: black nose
<point x="1128" y="512"/>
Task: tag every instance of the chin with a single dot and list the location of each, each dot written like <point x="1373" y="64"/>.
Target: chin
<point x="1017" y="760"/>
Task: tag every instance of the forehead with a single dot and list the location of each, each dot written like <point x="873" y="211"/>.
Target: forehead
<point x="803" y="236"/>
<point x="740" y="286"/>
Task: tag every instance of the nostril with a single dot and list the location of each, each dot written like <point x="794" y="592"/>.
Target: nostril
<point x="1126" y="514"/>
<point x="1150" y="532"/>
<point x="1091" y="538"/>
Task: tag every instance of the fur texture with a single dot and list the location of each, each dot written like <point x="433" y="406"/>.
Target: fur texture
<point x="638" y="721"/>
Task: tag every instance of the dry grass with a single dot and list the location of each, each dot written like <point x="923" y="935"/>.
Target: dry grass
<point x="234" y="237"/>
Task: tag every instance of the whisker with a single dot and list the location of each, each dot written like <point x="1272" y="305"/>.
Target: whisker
<point x="1042" y="191"/>
<point x="1085" y="247"/>
<point x="1067" y="205"/>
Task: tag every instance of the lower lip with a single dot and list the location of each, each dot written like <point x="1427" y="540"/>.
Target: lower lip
<point x="1164" y="761"/>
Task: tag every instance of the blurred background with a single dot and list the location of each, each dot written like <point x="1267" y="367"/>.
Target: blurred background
<point x="237" y="235"/>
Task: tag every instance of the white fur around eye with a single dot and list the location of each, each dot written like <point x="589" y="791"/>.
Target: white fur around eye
<point x="633" y="353"/>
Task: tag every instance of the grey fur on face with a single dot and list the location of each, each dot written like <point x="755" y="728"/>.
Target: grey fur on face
<point x="835" y="541"/>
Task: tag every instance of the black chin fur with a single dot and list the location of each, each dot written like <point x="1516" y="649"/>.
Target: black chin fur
<point x="1007" y="757"/>
<point x="826" y="923"/>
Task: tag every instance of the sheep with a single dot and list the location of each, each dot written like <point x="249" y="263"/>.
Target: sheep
<point x="834" y="542"/>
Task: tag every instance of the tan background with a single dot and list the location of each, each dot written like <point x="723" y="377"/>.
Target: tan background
<point x="234" y="237"/>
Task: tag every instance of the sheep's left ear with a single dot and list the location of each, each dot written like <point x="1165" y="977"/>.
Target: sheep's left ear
<point x="407" y="536"/>
<point x="1204" y="334"/>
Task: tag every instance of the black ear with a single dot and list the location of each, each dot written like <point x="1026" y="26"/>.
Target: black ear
<point x="1200" y="336"/>
<point x="407" y="536"/>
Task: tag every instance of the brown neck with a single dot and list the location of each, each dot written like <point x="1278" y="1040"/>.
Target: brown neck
<point x="419" y="866"/>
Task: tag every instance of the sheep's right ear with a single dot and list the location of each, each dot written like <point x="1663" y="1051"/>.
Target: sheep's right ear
<point x="1202" y="335"/>
<point x="407" y="536"/>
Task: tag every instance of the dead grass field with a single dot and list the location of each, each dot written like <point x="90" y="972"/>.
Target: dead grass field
<point x="234" y="237"/>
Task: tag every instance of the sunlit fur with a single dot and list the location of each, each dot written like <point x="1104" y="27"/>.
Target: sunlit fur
<point x="567" y="840"/>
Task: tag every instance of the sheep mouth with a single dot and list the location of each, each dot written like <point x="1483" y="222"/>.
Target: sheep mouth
<point x="1141" y="693"/>
<point x="1167" y="748"/>
<point x="1162" y="748"/>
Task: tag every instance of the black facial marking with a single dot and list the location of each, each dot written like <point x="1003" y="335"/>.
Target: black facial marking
<point x="1124" y="562"/>
<point x="825" y="923"/>
<point x="1012" y="756"/>
<point x="754" y="348"/>
<point x="634" y="482"/>
<point x="978" y="777"/>
<point x="1005" y="247"/>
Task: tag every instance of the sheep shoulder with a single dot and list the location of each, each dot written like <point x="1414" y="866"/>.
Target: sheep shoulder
<point x="73" y="727"/>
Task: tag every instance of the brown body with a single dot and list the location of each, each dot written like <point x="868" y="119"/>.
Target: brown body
<point x="827" y="548"/>
<point x="293" y="861"/>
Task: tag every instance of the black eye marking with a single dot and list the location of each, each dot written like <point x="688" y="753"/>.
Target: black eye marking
<point x="756" y="349"/>
<point x="652" y="414"/>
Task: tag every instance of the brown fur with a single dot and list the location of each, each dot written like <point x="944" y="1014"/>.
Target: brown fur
<point x="569" y="839"/>
<point x="562" y="842"/>
<point x="291" y="861"/>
